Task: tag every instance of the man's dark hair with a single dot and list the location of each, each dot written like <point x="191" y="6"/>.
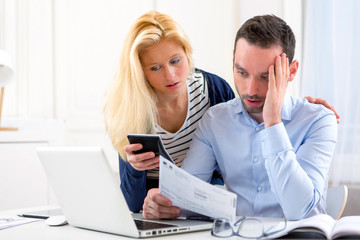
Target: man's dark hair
<point x="268" y="30"/>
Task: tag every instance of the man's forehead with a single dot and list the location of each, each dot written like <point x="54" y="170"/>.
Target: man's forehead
<point x="255" y="58"/>
<point x="244" y="42"/>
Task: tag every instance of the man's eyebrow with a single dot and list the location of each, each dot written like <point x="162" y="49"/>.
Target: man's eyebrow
<point x="237" y="66"/>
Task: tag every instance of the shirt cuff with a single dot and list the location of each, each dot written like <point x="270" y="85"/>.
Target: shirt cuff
<point x="274" y="140"/>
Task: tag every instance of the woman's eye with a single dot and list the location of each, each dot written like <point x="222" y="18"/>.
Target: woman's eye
<point x="155" y="68"/>
<point x="175" y="60"/>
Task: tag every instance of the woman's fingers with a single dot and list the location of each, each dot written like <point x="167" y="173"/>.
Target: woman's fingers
<point x="140" y="161"/>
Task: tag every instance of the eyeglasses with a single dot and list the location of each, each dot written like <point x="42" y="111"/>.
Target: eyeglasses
<point x="251" y="228"/>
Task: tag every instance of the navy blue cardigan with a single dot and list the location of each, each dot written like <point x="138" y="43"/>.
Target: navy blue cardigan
<point x="134" y="183"/>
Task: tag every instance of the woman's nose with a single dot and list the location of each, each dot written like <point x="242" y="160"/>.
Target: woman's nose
<point x="169" y="73"/>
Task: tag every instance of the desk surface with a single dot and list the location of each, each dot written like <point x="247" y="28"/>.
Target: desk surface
<point x="40" y="230"/>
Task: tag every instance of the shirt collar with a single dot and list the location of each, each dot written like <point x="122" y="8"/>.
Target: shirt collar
<point x="285" y="111"/>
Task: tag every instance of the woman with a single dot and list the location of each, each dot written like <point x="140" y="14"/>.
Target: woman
<point x="157" y="90"/>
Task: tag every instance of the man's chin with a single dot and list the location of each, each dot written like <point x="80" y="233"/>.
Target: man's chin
<point x="253" y="109"/>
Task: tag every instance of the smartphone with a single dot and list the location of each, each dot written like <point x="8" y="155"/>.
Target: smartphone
<point x="42" y="214"/>
<point x="150" y="143"/>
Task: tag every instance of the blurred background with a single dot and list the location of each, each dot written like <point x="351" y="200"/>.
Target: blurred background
<point x="65" y="54"/>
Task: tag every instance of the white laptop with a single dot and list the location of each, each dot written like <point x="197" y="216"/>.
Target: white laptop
<point x="90" y="196"/>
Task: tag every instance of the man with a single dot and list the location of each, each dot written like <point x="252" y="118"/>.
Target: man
<point x="274" y="151"/>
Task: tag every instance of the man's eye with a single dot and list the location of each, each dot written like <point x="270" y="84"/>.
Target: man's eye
<point x="265" y="78"/>
<point x="155" y="68"/>
<point x="244" y="74"/>
<point x="175" y="60"/>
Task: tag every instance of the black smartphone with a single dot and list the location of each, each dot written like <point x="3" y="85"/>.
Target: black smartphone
<point x="42" y="214"/>
<point x="150" y="143"/>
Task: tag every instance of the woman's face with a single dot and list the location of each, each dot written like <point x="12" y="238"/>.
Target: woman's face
<point x="166" y="67"/>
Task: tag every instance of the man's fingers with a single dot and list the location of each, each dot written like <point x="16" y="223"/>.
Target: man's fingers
<point x="287" y="70"/>
<point x="279" y="71"/>
<point x="283" y="65"/>
<point x="272" y="81"/>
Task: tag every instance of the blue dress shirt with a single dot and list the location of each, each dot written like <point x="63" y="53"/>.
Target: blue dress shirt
<point x="275" y="172"/>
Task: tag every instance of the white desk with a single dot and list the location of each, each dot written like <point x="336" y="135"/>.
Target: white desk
<point x="39" y="231"/>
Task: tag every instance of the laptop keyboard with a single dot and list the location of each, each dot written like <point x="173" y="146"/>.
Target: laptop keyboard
<point x="145" y="225"/>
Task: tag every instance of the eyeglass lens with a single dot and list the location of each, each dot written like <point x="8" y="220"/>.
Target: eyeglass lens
<point x="222" y="228"/>
<point x="247" y="228"/>
<point x="251" y="228"/>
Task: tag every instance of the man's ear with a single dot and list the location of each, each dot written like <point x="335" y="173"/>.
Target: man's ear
<point x="293" y="68"/>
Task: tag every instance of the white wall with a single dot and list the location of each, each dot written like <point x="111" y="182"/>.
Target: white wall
<point x="66" y="51"/>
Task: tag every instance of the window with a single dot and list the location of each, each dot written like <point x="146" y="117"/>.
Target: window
<point x="331" y="70"/>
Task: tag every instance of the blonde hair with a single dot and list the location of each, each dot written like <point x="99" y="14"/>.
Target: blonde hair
<point x="130" y="105"/>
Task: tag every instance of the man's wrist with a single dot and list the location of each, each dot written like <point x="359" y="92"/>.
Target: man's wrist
<point x="274" y="140"/>
<point x="272" y="122"/>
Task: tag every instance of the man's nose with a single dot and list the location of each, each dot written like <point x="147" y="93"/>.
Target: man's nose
<point x="253" y="86"/>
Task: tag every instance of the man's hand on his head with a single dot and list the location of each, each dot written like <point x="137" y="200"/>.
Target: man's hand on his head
<point x="278" y="82"/>
<point x="158" y="207"/>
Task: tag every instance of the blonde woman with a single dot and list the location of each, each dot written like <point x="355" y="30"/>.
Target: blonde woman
<point x="157" y="90"/>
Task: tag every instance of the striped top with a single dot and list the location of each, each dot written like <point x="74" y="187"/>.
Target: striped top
<point x="177" y="144"/>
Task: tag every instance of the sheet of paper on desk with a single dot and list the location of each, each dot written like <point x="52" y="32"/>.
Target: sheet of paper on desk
<point x="6" y="222"/>
<point x="191" y="193"/>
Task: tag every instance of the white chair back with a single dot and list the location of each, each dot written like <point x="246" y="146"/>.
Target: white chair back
<point x="336" y="201"/>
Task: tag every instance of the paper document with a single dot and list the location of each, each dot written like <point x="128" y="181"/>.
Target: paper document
<point x="191" y="193"/>
<point x="6" y="222"/>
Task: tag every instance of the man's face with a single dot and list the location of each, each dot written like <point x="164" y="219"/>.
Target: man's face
<point x="251" y="68"/>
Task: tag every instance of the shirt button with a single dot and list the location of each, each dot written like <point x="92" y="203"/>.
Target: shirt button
<point x="255" y="159"/>
<point x="259" y="188"/>
<point x="257" y="128"/>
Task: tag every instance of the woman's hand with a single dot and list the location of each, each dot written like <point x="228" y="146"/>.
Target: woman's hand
<point x="158" y="207"/>
<point x="140" y="161"/>
<point x="325" y="103"/>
